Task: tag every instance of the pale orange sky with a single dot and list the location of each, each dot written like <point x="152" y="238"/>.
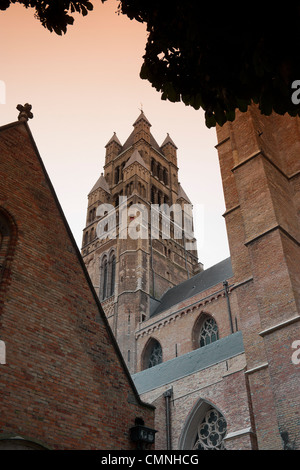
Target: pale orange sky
<point x="84" y="86"/>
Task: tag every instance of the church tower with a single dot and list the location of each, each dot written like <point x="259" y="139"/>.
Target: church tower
<point x="138" y="239"/>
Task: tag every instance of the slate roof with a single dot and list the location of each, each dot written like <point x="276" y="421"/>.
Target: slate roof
<point x="168" y="140"/>
<point x="182" y="194"/>
<point x="130" y="140"/>
<point x="136" y="157"/>
<point x="142" y="116"/>
<point x="187" y="364"/>
<point x="114" y="138"/>
<point x="196" y="284"/>
<point x="101" y="183"/>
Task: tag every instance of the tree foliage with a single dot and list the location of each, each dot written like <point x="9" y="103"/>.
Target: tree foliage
<point x="218" y="57"/>
<point x="221" y="56"/>
<point x="55" y="15"/>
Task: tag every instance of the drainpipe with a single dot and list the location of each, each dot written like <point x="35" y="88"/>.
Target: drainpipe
<point x="225" y="284"/>
<point x="152" y="269"/>
<point x="168" y="394"/>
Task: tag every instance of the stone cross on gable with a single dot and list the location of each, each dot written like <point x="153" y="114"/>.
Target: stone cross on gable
<point x="25" y="112"/>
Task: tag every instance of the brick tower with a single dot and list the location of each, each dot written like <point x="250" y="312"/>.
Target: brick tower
<point x="148" y="248"/>
<point x="260" y="166"/>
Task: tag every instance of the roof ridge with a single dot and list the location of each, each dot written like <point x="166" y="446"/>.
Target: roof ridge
<point x="101" y="183"/>
<point x="135" y="157"/>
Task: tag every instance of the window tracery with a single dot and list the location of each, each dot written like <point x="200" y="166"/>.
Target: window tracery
<point x="211" y="432"/>
<point x="107" y="276"/>
<point x="152" y="354"/>
<point x="208" y="332"/>
<point x="155" y="356"/>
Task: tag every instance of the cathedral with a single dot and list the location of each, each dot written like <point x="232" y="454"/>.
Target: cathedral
<point x="211" y="349"/>
<point x="131" y="343"/>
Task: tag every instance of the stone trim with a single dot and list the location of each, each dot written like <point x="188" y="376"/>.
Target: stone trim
<point x="266" y="232"/>
<point x="232" y="209"/>
<point x="239" y="433"/>
<point x="179" y="313"/>
<point x="257" y="368"/>
<point x="279" y="325"/>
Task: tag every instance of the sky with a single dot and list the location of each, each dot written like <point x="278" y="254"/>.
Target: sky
<point x="83" y="87"/>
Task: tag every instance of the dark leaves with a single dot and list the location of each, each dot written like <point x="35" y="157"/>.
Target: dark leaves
<point x="54" y="15"/>
<point x="221" y="58"/>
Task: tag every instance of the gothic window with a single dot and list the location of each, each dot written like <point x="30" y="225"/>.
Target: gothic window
<point x="209" y="332"/>
<point x="205" y="331"/>
<point x="104" y="276"/>
<point x="158" y="171"/>
<point x="165" y="176"/>
<point x="211" y="431"/>
<point x="117" y="175"/>
<point x="153" y="191"/>
<point x="152" y="355"/>
<point x="205" y="428"/>
<point x="92" y="234"/>
<point x="155" y="357"/>
<point x="153" y="167"/>
<point x="107" y="276"/>
<point x="112" y="274"/>
<point x="159" y="196"/>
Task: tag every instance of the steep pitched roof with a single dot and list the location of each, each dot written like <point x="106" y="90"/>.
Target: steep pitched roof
<point x="142" y="116"/>
<point x="129" y="142"/>
<point x="136" y="157"/>
<point x="79" y="327"/>
<point x="168" y="140"/>
<point x="196" y="284"/>
<point x="114" y="138"/>
<point x="189" y="363"/>
<point x="182" y="194"/>
<point x="101" y="183"/>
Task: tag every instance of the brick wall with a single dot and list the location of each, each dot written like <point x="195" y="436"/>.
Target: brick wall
<point x="174" y="327"/>
<point x="260" y="167"/>
<point x="224" y="386"/>
<point x="64" y="383"/>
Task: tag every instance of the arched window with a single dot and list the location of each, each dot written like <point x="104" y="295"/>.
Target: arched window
<point x="117" y="175"/>
<point x="92" y="234"/>
<point x="18" y="443"/>
<point x="211" y="431"/>
<point x="165" y="176"/>
<point x="112" y="273"/>
<point x="205" y="331"/>
<point x="205" y="428"/>
<point x="208" y="332"/>
<point x="104" y="278"/>
<point x="152" y="355"/>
